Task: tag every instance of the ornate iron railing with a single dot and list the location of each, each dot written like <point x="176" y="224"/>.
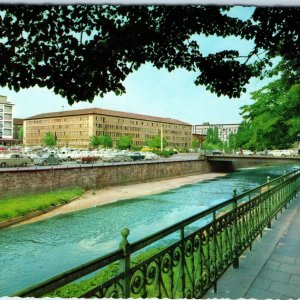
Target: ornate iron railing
<point x="193" y="264"/>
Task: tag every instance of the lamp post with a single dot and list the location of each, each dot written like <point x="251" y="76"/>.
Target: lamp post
<point x="161" y="139"/>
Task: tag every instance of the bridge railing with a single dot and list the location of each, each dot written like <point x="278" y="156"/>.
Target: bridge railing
<point x="197" y="252"/>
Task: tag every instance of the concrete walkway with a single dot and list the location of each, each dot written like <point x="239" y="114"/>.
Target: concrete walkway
<point x="272" y="268"/>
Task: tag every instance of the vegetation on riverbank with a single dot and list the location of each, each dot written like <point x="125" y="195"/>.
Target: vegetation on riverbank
<point x="12" y="207"/>
<point x="79" y="288"/>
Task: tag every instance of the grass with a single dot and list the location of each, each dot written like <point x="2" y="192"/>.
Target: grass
<point x="12" y="207"/>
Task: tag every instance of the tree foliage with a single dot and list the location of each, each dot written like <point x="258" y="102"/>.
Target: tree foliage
<point x="124" y="142"/>
<point x="195" y="144"/>
<point x="84" y="51"/>
<point x="49" y="139"/>
<point x="273" y="120"/>
<point x="21" y="133"/>
<point x="155" y="142"/>
<point x="212" y="140"/>
<point x="103" y="140"/>
<point x="232" y="142"/>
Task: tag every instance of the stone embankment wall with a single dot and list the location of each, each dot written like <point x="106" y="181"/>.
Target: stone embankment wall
<point x="16" y="182"/>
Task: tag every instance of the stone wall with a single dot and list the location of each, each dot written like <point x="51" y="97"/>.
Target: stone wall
<point x="16" y="182"/>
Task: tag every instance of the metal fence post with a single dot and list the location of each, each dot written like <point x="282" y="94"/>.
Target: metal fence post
<point x="236" y="263"/>
<point x="285" y="203"/>
<point x="268" y="204"/>
<point x="268" y="180"/>
<point x="125" y="262"/>
<point x="215" y="250"/>
<point x="182" y="261"/>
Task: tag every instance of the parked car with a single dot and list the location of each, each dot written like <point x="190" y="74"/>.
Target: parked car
<point x="15" y="160"/>
<point x="214" y="152"/>
<point x="244" y="152"/>
<point x="86" y="159"/>
<point x="136" y="156"/>
<point x="117" y="158"/>
<point x="282" y="153"/>
<point x="262" y="153"/>
<point x="248" y="152"/>
<point x="64" y="155"/>
<point x="48" y="159"/>
<point x="146" y="149"/>
<point x="151" y="156"/>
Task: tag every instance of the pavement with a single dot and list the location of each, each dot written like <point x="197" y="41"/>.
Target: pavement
<point x="272" y="268"/>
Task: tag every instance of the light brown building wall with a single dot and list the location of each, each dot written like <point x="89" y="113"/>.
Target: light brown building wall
<point x="76" y="130"/>
<point x="70" y="131"/>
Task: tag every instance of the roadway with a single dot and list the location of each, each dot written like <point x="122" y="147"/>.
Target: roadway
<point x="175" y="157"/>
<point x="74" y="164"/>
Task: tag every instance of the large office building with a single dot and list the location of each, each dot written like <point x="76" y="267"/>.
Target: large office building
<point x="74" y="128"/>
<point x="6" y="120"/>
<point x="224" y="129"/>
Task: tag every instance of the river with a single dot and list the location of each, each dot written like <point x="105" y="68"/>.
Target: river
<point x="34" y="252"/>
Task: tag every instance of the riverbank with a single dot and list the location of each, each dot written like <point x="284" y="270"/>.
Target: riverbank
<point x="117" y="193"/>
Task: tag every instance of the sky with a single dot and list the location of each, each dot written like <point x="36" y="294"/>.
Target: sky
<point x="155" y="92"/>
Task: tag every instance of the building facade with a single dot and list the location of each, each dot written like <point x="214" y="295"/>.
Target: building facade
<point x="6" y="119"/>
<point x="224" y="129"/>
<point x="74" y="128"/>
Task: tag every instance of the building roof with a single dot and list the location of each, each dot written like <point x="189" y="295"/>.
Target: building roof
<point x="106" y="112"/>
<point x="18" y="121"/>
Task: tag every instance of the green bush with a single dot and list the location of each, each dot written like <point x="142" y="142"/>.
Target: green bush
<point x="136" y="148"/>
<point x="164" y="153"/>
<point x="124" y="142"/>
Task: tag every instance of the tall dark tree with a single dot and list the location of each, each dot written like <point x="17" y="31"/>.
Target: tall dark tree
<point x="84" y="51"/>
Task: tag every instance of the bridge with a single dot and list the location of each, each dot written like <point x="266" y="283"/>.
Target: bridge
<point x="203" y="247"/>
<point x="225" y="163"/>
<point x="256" y="158"/>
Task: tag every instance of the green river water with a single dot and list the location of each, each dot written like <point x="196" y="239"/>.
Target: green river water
<point x="34" y="252"/>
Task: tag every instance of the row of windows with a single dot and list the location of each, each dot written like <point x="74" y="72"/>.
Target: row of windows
<point x="128" y="128"/>
<point x="226" y="131"/>
<point x="114" y="120"/>
<point x="6" y="124"/>
<point x="58" y="120"/>
<point x="145" y="137"/>
<point x="6" y="132"/>
<point x="58" y="133"/>
<point x="6" y="118"/>
<point x="116" y="134"/>
<point x="57" y="127"/>
<point x="6" y="110"/>
<point x="74" y="142"/>
<point x="75" y="120"/>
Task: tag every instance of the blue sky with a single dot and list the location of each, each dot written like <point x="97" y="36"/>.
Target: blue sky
<point x="155" y="92"/>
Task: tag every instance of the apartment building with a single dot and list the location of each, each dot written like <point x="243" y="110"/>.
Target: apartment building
<point x="6" y="119"/>
<point x="224" y="129"/>
<point x="75" y="127"/>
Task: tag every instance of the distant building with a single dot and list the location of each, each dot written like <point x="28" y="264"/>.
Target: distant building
<point x="224" y="129"/>
<point x="199" y="137"/>
<point x="75" y="127"/>
<point x="6" y="121"/>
